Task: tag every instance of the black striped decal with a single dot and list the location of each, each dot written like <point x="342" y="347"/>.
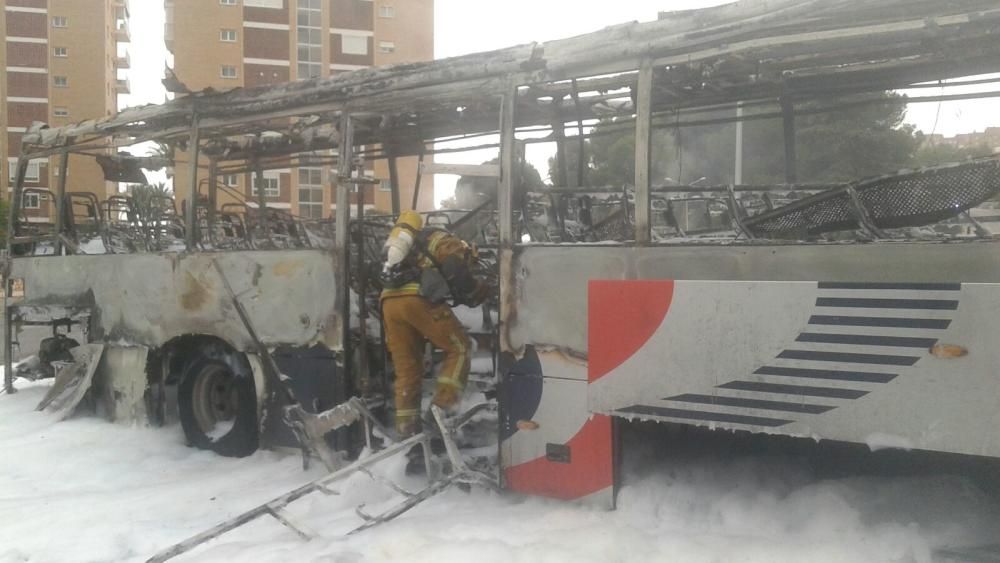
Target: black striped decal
<point x="869" y="303"/>
<point x="751" y="403"/>
<point x="849" y="358"/>
<point x="883" y="299"/>
<point x="866" y="340"/>
<point x="835" y="375"/>
<point x="703" y="415"/>
<point x="892" y="285"/>
<point x="803" y="390"/>
<point x="885" y="322"/>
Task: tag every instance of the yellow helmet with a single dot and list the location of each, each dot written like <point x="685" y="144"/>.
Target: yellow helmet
<point x="411" y="219"/>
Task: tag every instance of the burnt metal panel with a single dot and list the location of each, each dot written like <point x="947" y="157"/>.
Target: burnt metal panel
<point x="313" y="376"/>
<point x="885" y="49"/>
<point x="148" y="299"/>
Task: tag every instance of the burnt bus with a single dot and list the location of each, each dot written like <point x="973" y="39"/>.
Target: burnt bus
<point x="860" y="311"/>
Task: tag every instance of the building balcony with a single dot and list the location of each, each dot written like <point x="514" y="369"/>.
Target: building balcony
<point x="123" y="61"/>
<point x="122" y="86"/>
<point x="122" y="6"/>
<point x="168" y="36"/>
<point x="122" y="33"/>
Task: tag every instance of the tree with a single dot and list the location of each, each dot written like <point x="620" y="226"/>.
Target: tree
<point x="150" y="199"/>
<point x="609" y="156"/>
<point x="856" y="142"/>
<point x="847" y="144"/>
<point x="471" y="191"/>
<point x="932" y="154"/>
<point x="162" y="150"/>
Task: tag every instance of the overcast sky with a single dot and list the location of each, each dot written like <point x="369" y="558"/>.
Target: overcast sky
<point x="468" y="26"/>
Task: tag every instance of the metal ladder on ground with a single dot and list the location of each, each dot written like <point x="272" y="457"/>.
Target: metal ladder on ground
<point x="342" y="415"/>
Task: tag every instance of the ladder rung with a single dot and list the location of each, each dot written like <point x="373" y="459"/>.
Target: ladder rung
<point x="360" y="511"/>
<point x="286" y="519"/>
<point x="387" y="482"/>
<point x="327" y="490"/>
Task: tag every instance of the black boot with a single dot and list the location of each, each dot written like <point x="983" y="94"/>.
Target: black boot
<point x="415" y="461"/>
<point x="429" y="423"/>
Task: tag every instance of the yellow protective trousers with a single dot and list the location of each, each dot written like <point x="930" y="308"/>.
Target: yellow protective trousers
<point x="410" y="320"/>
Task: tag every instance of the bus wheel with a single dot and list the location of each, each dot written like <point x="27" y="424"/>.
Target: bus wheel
<point x="218" y="408"/>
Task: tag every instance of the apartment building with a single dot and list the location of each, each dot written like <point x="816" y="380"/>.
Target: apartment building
<point x="61" y="64"/>
<point x="989" y="137"/>
<point x="226" y="44"/>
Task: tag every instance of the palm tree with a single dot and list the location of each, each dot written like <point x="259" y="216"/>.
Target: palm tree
<point x="162" y="150"/>
<point x="151" y="199"/>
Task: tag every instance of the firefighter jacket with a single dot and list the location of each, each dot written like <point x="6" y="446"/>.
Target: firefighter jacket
<point x="438" y="265"/>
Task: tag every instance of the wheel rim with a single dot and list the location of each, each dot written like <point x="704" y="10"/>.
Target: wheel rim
<point x="215" y="400"/>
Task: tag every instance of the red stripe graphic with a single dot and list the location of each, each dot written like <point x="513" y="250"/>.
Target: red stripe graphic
<point x="589" y="471"/>
<point x="622" y="316"/>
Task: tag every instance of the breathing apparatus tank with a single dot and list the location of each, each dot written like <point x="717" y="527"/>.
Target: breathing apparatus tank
<point x="400" y="240"/>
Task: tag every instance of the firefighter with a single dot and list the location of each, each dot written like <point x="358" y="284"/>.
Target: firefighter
<point x="423" y="267"/>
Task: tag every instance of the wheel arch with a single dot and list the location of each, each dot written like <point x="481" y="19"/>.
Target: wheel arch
<point x="181" y="350"/>
<point x="176" y="354"/>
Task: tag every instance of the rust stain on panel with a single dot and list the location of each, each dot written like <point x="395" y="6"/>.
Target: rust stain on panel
<point x="948" y="351"/>
<point x="561" y="353"/>
<point x="196" y="293"/>
<point x="527" y="425"/>
<point x="287" y="268"/>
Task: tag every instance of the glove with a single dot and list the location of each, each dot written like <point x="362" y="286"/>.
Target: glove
<point x="479" y="295"/>
<point x="396" y="276"/>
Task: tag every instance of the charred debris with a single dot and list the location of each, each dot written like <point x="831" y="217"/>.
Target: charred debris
<point x="670" y="73"/>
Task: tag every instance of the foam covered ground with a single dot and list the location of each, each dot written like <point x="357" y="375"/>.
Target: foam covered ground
<point x="90" y="491"/>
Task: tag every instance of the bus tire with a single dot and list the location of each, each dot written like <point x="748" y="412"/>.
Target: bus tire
<point x="218" y="408"/>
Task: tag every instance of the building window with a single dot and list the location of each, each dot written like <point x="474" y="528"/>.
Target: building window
<point x="31" y="175"/>
<point x="385" y="11"/>
<point x="60" y="81"/>
<point x="227" y="35"/>
<point x="311" y="193"/>
<point x="60" y="52"/>
<point x="309" y="40"/>
<point x="60" y="21"/>
<point x="354" y="44"/>
<point x="227" y="71"/>
<point x="386" y="47"/>
<point x="311" y="177"/>
<point x="60" y="112"/>
<point x="311" y="210"/>
<point x="310" y="13"/>
<point x="231" y="180"/>
<point x="270" y="187"/>
<point x="227" y="2"/>
<point x="31" y="200"/>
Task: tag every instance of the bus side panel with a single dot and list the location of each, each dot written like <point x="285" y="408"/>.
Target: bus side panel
<point x="886" y="343"/>
<point x="891" y="364"/>
<point x="550" y="444"/>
